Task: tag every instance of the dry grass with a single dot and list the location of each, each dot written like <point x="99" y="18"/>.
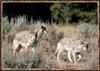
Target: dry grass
<point x="45" y="57"/>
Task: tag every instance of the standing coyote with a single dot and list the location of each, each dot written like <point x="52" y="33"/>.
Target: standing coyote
<point x="72" y="46"/>
<point x="26" y="39"/>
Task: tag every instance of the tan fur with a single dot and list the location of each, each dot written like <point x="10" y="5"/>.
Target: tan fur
<point x="22" y="38"/>
<point x="72" y="46"/>
<point x="25" y="39"/>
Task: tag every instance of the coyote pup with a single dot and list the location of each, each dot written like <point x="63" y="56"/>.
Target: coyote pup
<point x="72" y="46"/>
<point x="26" y="39"/>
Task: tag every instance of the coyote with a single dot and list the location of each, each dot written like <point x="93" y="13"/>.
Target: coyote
<point x="72" y="46"/>
<point x="25" y="39"/>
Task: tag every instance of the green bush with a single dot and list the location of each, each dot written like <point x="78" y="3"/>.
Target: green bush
<point x="6" y="25"/>
<point x="55" y="36"/>
<point x="10" y="38"/>
<point x="85" y="31"/>
<point x="37" y="62"/>
<point x="73" y="12"/>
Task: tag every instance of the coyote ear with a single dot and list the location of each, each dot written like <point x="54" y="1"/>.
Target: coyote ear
<point x="84" y="42"/>
<point x="42" y="27"/>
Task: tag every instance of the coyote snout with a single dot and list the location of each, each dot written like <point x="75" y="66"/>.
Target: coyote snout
<point x="26" y="39"/>
<point x="72" y="46"/>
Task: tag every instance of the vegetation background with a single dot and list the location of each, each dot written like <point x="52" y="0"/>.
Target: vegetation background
<point x="79" y="20"/>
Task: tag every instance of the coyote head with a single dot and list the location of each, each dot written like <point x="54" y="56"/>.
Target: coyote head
<point x="84" y="45"/>
<point x="81" y="46"/>
<point x="43" y="29"/>
<point x="39" y="34"/>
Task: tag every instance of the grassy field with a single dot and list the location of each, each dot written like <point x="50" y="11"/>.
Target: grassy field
<point x="44" y="57"/>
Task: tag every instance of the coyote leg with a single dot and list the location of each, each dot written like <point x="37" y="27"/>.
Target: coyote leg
<point x="58" y="55"/>
<point x="69" y="56"/>
<point x="56" y="52"/>
<point x="15" y="46"/>
<point x="33" y="49"/>
<point x="74" y="56"/>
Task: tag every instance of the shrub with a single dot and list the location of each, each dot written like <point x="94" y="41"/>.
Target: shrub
<point x="37" y="62"/>
<point x="23" y="61"/>
<point x="10" y="38"/>
<point x="73" y="12"/>
<point x="6" y="25"/>
<point x="46" y="59"/>
<point x="91" y="63"/>
<point x="10" y="64"/>
<point x="50" y="63"/>
<point x="64" y="56"/>
<point x="55" y="36"/>
<point x="85" y="31"/>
